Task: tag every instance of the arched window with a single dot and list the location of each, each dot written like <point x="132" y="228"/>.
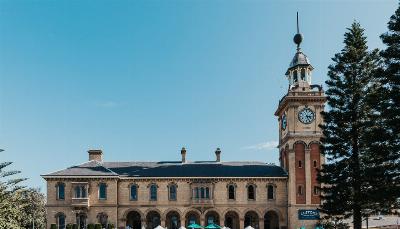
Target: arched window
<point x="197" y="192"/>
<point x="303" y="74"/>
<point x="207" y="193"/>
<point x="60" y="221"/>
<point x="103" y="219"/>
<point x="231" y="192"/>
<point x="133" y="194"/>
<point x="251" y="192"/>
<point x="153" y="192"/>
<point x="316" y="190"/>
<point x="202" y="193"/>
<point x="295" y="76"/>
<point x="270" y="192"/>
<point x="102" y="191"/>
<point x="60" y="191"/>
<point x="172" y="192"/>
<point x="80" y="191"/>
<point x="300" y="190"/>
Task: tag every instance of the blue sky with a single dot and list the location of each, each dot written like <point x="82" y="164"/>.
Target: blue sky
<point x="141" y="79"/>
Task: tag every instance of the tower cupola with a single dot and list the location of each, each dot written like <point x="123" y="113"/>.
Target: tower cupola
<point x="300" y="68"/>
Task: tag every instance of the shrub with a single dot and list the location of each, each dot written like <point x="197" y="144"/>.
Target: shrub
<point x="97" y="226"/>
<point x="53" y="226"/>
<point x="90" y="226"/>
<point x="110" y="226"/>
<point x="69" y="226"/>
<point x="75" y="226"/>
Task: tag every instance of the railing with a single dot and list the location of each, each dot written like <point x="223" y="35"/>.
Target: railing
<point x="80" y="202"/>
<point x="200" y="201"/>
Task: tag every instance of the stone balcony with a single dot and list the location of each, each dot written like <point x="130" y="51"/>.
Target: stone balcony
<point x="80" y="202"/>
<point x="200" y="201"/>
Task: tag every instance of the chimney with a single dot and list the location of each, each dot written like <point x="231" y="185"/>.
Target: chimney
<point x="218" y="154"/>
<point x="183" y="153"/>
<point x="95" y="155"/>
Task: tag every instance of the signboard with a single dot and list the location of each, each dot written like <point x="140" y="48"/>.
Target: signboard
<point x="308" y="214"/>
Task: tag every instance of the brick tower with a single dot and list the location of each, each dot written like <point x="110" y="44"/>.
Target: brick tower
<point x="299" y="135"/>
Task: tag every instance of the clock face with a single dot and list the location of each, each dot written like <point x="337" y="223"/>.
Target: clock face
<point x="306" y="115"/>
<point x="283" y="122"/>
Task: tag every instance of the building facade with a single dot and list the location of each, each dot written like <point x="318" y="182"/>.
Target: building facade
<point x="179" y="193"/>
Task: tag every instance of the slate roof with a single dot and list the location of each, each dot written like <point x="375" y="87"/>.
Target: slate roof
<point x="299" y="59"/>
<point x="173" y="169"/>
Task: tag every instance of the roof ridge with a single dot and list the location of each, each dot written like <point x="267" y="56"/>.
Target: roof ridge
<point x="101" y="164"/>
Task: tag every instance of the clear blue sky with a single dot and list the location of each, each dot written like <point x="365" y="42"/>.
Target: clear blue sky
<point x="141" y="79"/>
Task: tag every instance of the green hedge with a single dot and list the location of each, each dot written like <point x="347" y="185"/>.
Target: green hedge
<point x="97" y="226"/>
<point x="53" y="226"/>
<point x="69" y="226"/>
<point x="90" y="226"/>
<point x="111" y="226"/>
<point x="75" y="226"/>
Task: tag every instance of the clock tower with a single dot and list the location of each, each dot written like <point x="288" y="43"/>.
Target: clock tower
<point x="299" y="139"/>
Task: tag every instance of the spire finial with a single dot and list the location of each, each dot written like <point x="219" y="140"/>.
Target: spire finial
<point x="298" y="38"/>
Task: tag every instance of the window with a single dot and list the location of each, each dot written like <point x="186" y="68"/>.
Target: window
<point x="251" y="192"/>
<point x="316" y="190"/>
<point x="133" y="195"/>
<point x="60" y="221"/>
<point x="303" y="74"/>
<point x="153" y="192"/>
<point x="102" y="191"/>
<point x="300" y="164"/>
<point x="231" y="192"/>
<point x="300" y="190"/>
<point x="201" y="192"/>
<point x="103" y="219"/>
<point x="60" y="191"/>
<point x="80" y="191"/>
<point x="295" y="76"/>
<point x="270" y="192"/>
<point x="315" y="164"/>
<point x="172" y="192"/>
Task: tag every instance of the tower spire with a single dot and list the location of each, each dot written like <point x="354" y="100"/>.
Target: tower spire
<point x="298" y="38"/>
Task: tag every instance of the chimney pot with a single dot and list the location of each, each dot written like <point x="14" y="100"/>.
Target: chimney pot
<point x="218" y="154"/>
<point x="183" y="153"/>
<point x="95" y="155"/>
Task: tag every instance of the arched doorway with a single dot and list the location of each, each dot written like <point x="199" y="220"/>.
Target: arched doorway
<point x="251" y="219"/>
<point x="271" y="220"/>
<point x="192" y="217"/>
<point x="212" y="217"/>
<point x="81" y="220"/>
<point x="133" y="220"/>
<point x="173" y="220"/>
<point x="232" y="220"/>
<point x="153" y="220"/>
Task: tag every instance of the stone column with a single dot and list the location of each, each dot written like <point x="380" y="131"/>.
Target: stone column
<point x="241" y="223"/>
<point x="163" y="223"/>
<point x="261" y="223"/>
<point x="307" y="167"/>
<point x="221" y="221"/>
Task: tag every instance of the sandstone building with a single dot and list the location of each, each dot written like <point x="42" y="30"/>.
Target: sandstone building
<point x="231" y="194"/>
